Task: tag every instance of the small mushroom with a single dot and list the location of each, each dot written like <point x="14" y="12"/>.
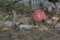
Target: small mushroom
<point x="38" y="15"/>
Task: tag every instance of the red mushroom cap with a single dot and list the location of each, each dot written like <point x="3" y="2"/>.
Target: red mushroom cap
<point x="39" y="15"/>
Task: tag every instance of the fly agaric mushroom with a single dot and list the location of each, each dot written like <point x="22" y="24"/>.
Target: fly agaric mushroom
<point x="39" y="15"/>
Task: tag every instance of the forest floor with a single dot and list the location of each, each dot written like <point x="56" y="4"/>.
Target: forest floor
<point x="48" y="31"/>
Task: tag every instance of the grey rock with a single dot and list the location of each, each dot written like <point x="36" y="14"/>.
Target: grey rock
<point x="47" y="5"/>
<point x="49" y="21"/>
<point x="58" y="6"/>
<point x="49" y="9"/>
<point x="8" y="23"/>
<point x="57" y="25"/>
<point x="24" y="26"/>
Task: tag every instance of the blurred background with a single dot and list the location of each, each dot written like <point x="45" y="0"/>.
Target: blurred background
<point x="16" y="21"/>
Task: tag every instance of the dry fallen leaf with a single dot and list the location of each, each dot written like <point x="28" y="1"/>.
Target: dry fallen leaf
<point x="6" y="28"/>
<point x="55" y="18"/>
<point x="53" y="5"/>
<point x="43" y="27"/>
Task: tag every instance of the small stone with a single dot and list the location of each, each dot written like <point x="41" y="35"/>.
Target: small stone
<point x="49" y="21"/>
<point x="57" y="25"/>
<point x="24" y="26"/>
<point x="49" y="8"/>
<point x="48" y="5"/>
<point x="8" y="23"/>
